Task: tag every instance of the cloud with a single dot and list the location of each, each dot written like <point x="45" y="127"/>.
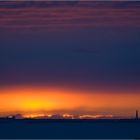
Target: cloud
<point x="68" y="15"/>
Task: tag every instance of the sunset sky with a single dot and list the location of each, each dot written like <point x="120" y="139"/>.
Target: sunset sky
<point x="70" y="57"/>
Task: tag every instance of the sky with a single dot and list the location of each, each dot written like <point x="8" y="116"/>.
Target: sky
<point x="70" y="57"/>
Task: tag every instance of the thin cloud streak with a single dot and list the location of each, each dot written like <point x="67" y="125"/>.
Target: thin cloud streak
<point x="54" y="16"/>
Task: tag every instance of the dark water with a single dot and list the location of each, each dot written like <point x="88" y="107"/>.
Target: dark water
<point x="69" y="129"/>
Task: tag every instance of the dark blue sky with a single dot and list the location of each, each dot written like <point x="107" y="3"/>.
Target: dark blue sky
<point x="85" y="44"/>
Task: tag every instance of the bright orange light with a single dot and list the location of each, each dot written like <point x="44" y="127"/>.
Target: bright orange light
<point x="41" y="99"/>
<point x="33" y="115"/>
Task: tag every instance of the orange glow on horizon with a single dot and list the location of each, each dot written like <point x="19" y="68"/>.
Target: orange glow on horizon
<point x="26" y="99"/>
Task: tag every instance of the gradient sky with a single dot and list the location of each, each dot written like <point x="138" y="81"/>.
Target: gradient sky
<point x="81" y="57"/>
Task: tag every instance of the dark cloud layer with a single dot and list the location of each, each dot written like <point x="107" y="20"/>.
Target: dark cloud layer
<point x="67" y="15"/>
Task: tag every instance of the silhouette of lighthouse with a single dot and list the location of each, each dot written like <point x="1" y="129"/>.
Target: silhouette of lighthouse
<point x="137" y="114"/>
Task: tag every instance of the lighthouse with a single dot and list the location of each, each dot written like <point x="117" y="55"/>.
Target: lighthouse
<point x="137" y="114"/>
